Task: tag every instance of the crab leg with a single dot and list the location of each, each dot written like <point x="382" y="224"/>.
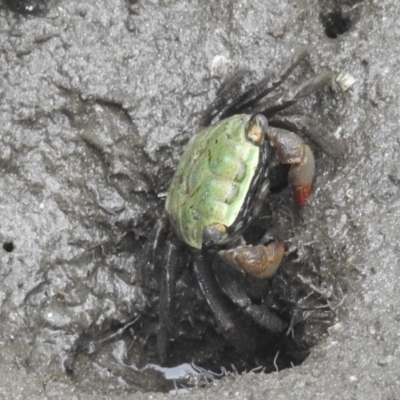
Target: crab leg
<point x="225" y="315"/>
<point x="292" y="150"/>
<point x="262" y="88"/>
<point x="292" y="97"/>
<point x="234" y="288"/>
<point x="165" y="260"/>
<point x="230" y="105"/>
<point x="209" y="287"/>
<point x="167" y="294"/>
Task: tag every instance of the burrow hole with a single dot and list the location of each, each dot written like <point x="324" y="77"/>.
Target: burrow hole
<point x="8" y="246"/>
<point x="335" y="24"/>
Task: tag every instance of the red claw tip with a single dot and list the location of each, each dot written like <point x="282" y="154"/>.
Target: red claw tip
<point x="301" y="193"/>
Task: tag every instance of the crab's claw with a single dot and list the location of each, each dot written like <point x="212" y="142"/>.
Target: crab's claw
<point x="301" y="176"/>
<point x="260" y="261"/>
<point x="292" y="150"/>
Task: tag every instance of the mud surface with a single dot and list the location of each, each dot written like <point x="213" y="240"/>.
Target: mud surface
<point x="97" y="100"/>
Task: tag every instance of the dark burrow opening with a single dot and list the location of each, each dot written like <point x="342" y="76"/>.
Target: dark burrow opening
<point x="8" y="246"/>
<point x="335" y="24"/>
<point x="303" y="293"/>
<point x="339" y="16"/>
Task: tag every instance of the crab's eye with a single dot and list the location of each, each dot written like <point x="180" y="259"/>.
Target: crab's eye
<point x="262" y="122"/>
<point x="214" y="233"/>
<point x="256" y="129"/>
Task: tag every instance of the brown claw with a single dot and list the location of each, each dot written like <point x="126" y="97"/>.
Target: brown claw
<point x="292" y="150"/>
<point x="260" y="261"/>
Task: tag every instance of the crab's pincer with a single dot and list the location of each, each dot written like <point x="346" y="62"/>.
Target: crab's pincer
<point x="292" y="150"/>
<point x="260" y="261"/>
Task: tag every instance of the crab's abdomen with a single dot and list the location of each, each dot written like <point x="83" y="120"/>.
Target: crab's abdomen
<point x="212" y="179"/>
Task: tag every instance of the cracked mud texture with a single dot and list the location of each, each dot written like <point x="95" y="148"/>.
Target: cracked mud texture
<point x="92" y="96"/>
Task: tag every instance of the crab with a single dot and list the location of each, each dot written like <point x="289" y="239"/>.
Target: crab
<point x="220" y="186"/>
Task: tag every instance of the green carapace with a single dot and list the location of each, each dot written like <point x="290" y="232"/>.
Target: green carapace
<point x="212" y="179"/>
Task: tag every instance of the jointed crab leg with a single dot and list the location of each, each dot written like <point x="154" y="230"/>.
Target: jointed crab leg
<point x="262" y="88"/>
<point x="292" y="97"/>
<point x="166" y="261"/>
<point x="231" y="90"/>
<point x="167" y="294"/>
<point x="224" y="96"/>
<point x="211" y="292"/>
<point x="233" y="287"/>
